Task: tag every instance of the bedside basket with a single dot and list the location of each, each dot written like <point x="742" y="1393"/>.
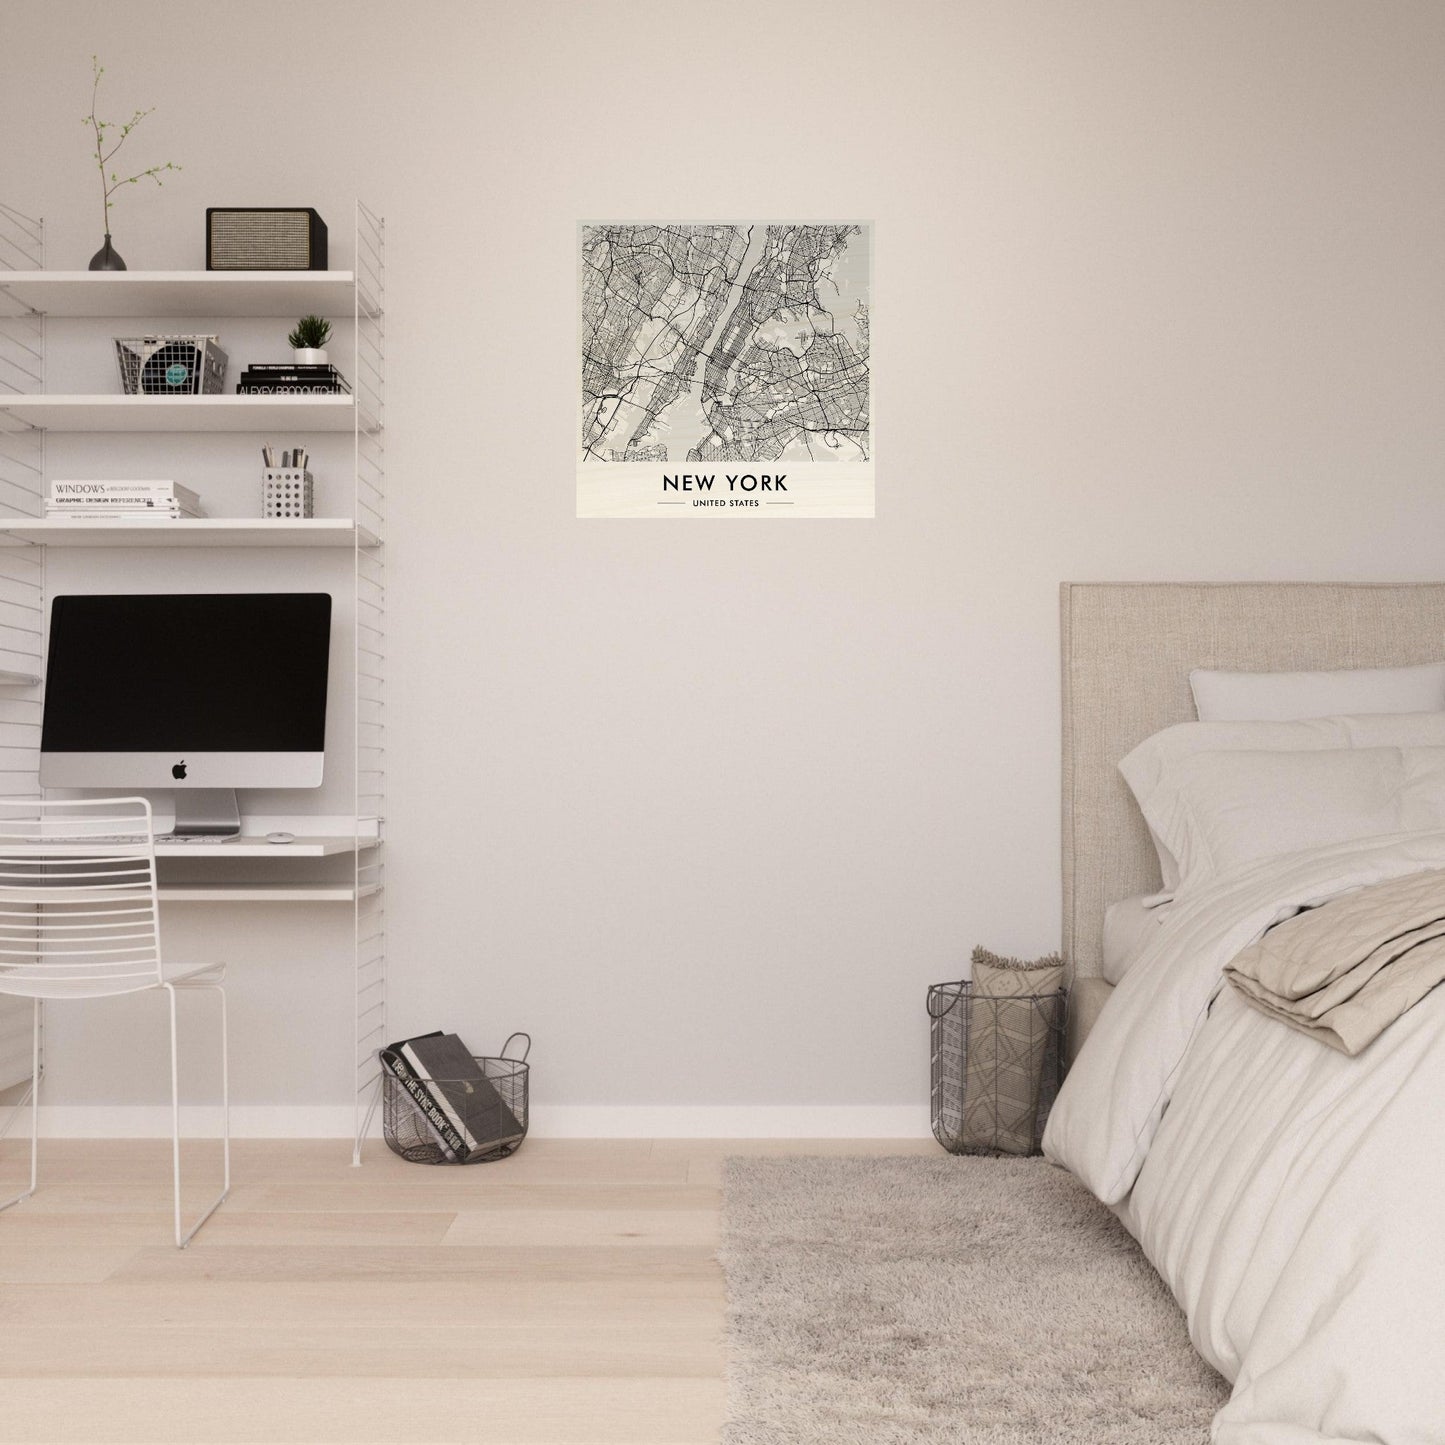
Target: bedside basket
<point x="1017" y="1066"/>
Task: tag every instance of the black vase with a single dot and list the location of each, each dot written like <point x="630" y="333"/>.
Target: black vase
<point x="107" y="258"/>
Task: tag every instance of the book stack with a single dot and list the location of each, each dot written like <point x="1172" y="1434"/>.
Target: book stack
<point x="461" y="1106"/>
<point x="90" y="500"/>
<point x="290" y="379"/>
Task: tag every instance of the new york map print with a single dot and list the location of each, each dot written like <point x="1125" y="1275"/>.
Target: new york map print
<point x="724" y="369"/>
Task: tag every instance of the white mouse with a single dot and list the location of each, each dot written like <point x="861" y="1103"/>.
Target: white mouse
<point x="280" y="837"/>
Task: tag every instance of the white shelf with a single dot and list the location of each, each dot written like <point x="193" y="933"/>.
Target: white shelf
<point x="182" y="293"/>
<point x="248" y="846"/>
<point x="105" y="412"/>
<point x="259" y="893"/>
<point x="18" y="679"/>
<point x="188" y="532"/>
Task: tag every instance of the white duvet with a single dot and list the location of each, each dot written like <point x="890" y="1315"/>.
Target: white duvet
<point x="1292" y="1197"/>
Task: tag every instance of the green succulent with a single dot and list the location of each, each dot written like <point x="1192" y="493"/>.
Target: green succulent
<point x="311" y="334"/>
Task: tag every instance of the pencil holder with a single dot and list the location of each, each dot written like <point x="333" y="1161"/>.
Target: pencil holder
<point x="286" y="492"/>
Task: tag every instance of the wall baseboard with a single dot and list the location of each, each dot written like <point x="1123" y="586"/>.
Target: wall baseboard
<point x="732" y="1121"/>
<point x="153" y="1121"/>
<point x="556" y="1121"/>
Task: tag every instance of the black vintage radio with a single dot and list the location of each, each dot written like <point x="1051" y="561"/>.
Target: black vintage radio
<point x="277" y="238"/>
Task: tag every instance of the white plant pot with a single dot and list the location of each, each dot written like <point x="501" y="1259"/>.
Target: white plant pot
<point x="310" y="356"/>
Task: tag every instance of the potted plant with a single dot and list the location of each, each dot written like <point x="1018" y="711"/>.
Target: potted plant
<point x="107" y="258"/>
<point x="308" y="340"/>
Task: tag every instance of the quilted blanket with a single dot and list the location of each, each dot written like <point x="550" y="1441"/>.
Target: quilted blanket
<point x="1344" y="972"/>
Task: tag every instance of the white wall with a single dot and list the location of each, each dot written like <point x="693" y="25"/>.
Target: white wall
<point x="1158" y="294"/>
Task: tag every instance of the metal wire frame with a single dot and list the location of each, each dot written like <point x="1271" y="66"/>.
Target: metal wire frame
<point x="22" y="599"/>
<point x="80" y="919"/>
<point x="22" y="329"/>
<point x="368" y="660"/>
<point x="1021" y="1042"/>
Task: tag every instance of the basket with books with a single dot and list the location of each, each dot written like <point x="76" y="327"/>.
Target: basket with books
<point x="442" y="1104"/>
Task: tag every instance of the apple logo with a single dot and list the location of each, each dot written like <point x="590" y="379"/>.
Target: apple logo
<point x="179" y="771"/>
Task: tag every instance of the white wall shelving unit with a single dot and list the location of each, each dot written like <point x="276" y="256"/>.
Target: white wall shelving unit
<point x="30" y="297"/>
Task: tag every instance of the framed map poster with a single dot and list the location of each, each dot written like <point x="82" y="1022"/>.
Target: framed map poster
<point x="724" y="369"/>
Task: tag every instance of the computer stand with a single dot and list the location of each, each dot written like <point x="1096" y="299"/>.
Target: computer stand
<point x="207" y="813"/>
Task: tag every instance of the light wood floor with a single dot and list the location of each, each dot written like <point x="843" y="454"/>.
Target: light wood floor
<point x="569" y="1294"/>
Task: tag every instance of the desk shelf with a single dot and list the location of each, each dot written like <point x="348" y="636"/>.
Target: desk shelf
<point x="262" y="892"/>
<point x="246" y="846"/>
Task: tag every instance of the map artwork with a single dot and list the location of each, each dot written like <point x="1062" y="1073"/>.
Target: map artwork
<point x="724" y="370"/>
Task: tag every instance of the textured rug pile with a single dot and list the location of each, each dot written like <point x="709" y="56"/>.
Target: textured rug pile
<point x="907" y="1301"/>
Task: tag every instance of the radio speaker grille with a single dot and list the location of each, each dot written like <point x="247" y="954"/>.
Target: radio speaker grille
<point x="265" y="240"/>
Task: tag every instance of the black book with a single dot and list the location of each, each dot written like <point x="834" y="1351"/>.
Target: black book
<point x="468" y="1099"/>
<point x="269" y="373"/>
<point x="306" y="368"/>
<point x="395" y="1061"/>
<point x="276" y="386"/>
<point x="290" y="378"/>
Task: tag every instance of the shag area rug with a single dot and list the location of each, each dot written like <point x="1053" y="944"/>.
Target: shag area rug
<point x="972" y="1301"/>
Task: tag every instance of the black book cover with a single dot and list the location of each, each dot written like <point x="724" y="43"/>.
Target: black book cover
<point x="280" y="378"/>
<point x="269" y="374"/>
<point x="394" y="1059"/>
<point x="468" y="1098"/>
<point x="303" y="368"/>
<point x="274" y="386"/>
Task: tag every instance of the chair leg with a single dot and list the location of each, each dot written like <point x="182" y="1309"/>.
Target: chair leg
<point x="34" y="1110"/>
<point x="183" y="1235"/>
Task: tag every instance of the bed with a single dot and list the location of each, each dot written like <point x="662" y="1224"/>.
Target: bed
<point x="1292" y="1198"/>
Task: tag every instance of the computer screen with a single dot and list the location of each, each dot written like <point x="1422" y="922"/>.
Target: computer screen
<point x="177" y="690"/>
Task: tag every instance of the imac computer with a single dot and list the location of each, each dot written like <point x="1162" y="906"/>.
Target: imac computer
<point x="198" y="694"/>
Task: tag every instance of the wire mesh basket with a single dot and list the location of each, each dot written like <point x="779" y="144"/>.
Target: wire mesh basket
<point x="410" y="1132"/>
<point x="170" y="365"/>
<point x="997" y="1067"/>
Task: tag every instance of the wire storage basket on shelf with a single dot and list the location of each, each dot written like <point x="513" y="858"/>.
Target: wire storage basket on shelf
<point x="420" y="1117"/>
<point x="997" y="1066"/>
<point x="170" y="365"/>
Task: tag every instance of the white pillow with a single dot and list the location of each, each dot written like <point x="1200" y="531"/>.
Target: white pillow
<point x="1145" y="767"/>
<point x="1217" y="812"/>
<point x="1282" y="696"/>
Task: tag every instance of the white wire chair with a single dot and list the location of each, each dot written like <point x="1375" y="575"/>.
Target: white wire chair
<point x="79" y="919"/>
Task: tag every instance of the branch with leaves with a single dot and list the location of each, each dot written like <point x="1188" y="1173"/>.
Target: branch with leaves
<point x="111" y="182"/>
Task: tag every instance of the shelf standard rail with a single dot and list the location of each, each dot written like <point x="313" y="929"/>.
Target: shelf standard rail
<point x="369" y="656"/>
<point x="22" y="591"/>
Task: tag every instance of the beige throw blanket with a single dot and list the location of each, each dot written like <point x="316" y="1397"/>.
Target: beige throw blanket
<point x="1344" y="972"/>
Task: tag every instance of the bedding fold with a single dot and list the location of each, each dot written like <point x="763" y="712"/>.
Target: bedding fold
<point x="1345" y="971"/>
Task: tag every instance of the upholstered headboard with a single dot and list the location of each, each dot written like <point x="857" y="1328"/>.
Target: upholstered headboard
<point x="1127" y="651"/>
